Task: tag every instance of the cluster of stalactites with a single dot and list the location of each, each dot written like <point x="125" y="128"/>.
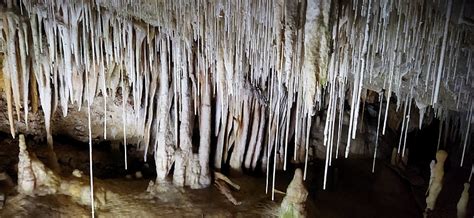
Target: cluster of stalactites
<point x="416" y="50"/>
<point x="246" y="55"/>
<point x="259" y="65"/>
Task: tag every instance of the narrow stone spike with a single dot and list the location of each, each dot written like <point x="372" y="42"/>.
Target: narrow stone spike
<point x="443" y="51"/>
<point x="308" y="128"/>
<point x="468" y="132"/>
<point x="377" y="134"/>
<point x="91" y="165"/>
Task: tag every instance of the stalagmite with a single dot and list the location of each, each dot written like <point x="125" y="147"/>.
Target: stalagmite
<point x="432" y="174"/>
<point x="26" y="177"/>
<point x="35" y="179"/>
<point x="463" y="200"/>
<point x="437" y="184"/>
<point x="461" y="206"/>
<point x="293" y="205"/>
<point x="193" y="171"/>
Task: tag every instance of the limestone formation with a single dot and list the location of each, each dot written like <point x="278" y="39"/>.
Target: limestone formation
<point x="462" y="203"/>
<point x="251" y="73"/>
<point x="35" y="179"/>
<point x="432" y="165"/>
<point x="437" y="183"/>
<point x="27" y="181"/>
<point x="293" y="205"/>
<point x="77" y="173"/>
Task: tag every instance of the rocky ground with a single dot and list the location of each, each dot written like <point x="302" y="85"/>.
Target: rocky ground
<point x="353" y="191"/>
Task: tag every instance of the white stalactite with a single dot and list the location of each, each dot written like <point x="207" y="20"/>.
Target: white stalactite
<point x="377" y="133"/>
<point x="251" y="151"/>
<point x="237" y="157"/>
<point x="443" y="50"/>
<point x="267" y="68"/>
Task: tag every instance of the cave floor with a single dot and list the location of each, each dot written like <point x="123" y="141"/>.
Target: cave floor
<point x="356" y="193"/>
<point x="131" y="200"/>
<point x="352" y="191"/>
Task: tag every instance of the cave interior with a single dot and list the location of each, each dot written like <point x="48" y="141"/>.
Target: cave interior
<point x="236" y="108"/>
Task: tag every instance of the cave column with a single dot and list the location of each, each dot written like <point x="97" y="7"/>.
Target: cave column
<point x="205" y="133"/>
<point x="161" y="156"/>
<point x="183" y="155"/>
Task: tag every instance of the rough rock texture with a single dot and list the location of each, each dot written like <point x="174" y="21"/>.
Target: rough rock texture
<point x="462" y="203"/>
<point x="437" y="183"/>
<point x="293" y="205"/>
<point x="74" y="124"/>
<point x="285" y="59"/>
<point x="34" y="178"/>
<point x="26" y="178"/>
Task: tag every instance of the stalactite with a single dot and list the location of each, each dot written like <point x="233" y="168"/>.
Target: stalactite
<point x="265" y="71"/>
<point x="261" y="132"/>
<point x="403" y="125"/>
<point x="254" y="133"/>
<point x="22" y="44"/>
<point x="150" y="112"/>
<point x="377" y="133"/>
<point x="14" y="76"/>
<point x="408" y="124"/>
<point x="7" y="69"/>
<point x="443" y="50"/>
<point x="461" y="206"/>
<point x="308" y="128"/>
<point x="91" y="163"/>
<point x="237" y="157"/>
<point x="468" y="131"/>
<point x="124" y="116"/>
